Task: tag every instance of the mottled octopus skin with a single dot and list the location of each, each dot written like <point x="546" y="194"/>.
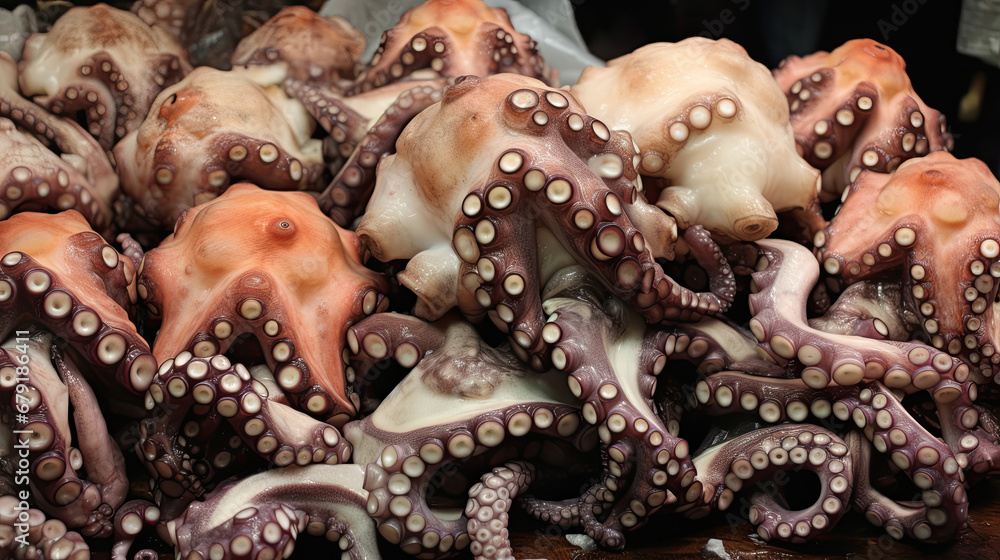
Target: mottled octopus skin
<point x="934" y="225"/>
<point x="742" y="462"/>
<point x="191" y="397"/>
<point x="461" y="401"/>
<point x="262" y="515"/>
<point x="59" y="274"/>
<point x="926" y="460"/>
<point x="35" y="178"/>
<point x="104" y="62"/>
<point x="453" y="38"/>
<point x="316" y="49"/>
<point x="52" y="386"/>
<point x="474" y="176"/>
<point x="786" y="274"/>
<point x="211" y="130"/>
<point x="44" y="539"/>
<point x="283" y="272"/>
<point x="712" y="130"/>
<point x="854" y="108"/>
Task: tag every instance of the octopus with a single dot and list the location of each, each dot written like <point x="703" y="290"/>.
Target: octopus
<point x="453" y="38"/>
<point x="189" y="448"/>
<point x="211" y="130"/>
<point x="937" y="237"/>
<point x="287" y="277"/>
<point x="554" y="365"/>
<point x="504" y="176"/>
<point x="712" y="129"/>
<point x="315" y="49"/>
<point x="937" y="233"/>
<point x="854" y="109"/>
<point x="58" y="278"/>
<point x="35" y="176"/>
<point x="462" y="406"/>
<point x="748" y="460"/>
<point x="431" y="45"/>
<point x="104" y="64"/>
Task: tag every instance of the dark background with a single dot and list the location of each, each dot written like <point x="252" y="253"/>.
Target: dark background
<point x="770" y="30"/>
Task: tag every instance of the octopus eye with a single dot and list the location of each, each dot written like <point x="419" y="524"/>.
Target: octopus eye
<point x="170" y="100"/>
<point x="284" y="224"/>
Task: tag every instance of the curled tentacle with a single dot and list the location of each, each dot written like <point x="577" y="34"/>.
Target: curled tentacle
<point x="746" y="461"/>
<point x="928" y="462"/>
<point x="81" y="179"/>
<point x="130" y="520"/>
<point x="278" y="433"/>
<point x="347" y="196"/>
<point x="707" y="252"/>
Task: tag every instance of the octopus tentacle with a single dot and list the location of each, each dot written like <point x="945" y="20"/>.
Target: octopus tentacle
<point x="267" y="512"/>
<point x="348" y="194"/>
<point x="130" y="248"/>
<point x="452" y="39"/>
<point x="854" y="108"/>
<point x="787" y="271"/>
<point x="130" y="520"/>
<point x="969" y="429"/>
<point x="44" y="428"/>
<point x="82" y="179"/>
<point x="707" y="252"/>
<point x="620" y="404"/>
<point x="898" y="519"/>
<point x="90" y="314"/>
<point x="409" y="471"/>
<point x="932" y="204"/>
<point x="278" y="433"/>
<point x="928" y="462"/>
<point x="746" y="460"/>
<point x="594" y="503"/>
<point x="26" y="533"/>
<point x="334" y="112"/>
<point x="489" y="504"/>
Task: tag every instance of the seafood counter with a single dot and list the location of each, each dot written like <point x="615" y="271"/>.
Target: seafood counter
<point x="398" y="306"/>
